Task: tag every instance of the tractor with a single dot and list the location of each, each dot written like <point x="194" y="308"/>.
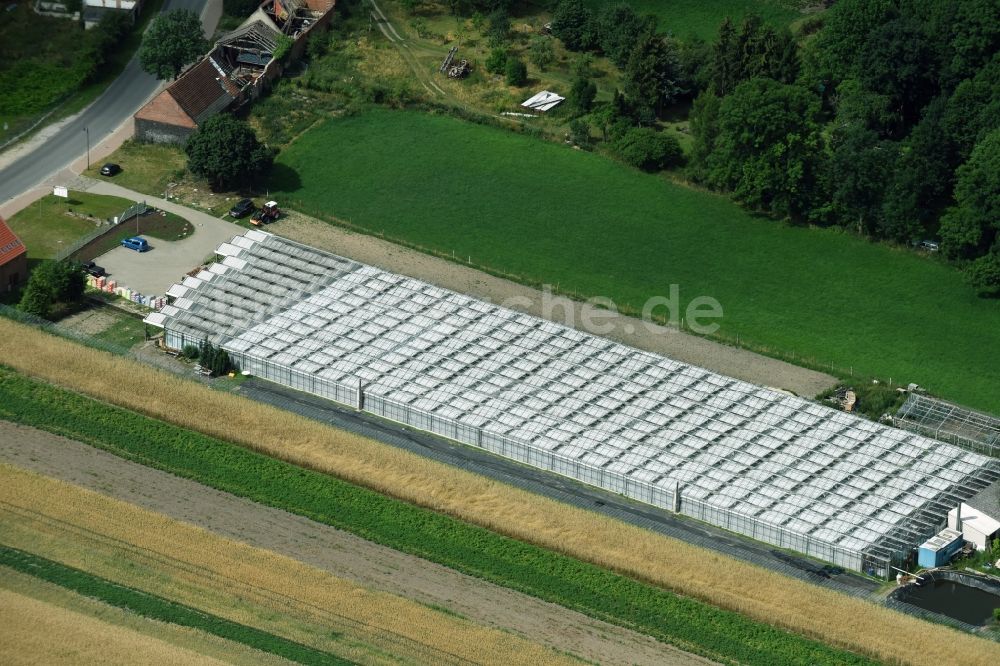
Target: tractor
<point x="268" y="213"/>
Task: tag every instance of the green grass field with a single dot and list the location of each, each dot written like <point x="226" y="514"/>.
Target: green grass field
<point x="548" y="214"/>
<point x="51" y="223"/>
<point x="702" y="17"/>
<point x="723" y="635"/>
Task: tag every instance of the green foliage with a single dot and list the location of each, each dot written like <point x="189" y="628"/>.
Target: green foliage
<point x="573" y="24"/>
<point x="540" y="53"/>
<point x="768" y="147"/>
<point x="215" y="360"/>
<point x="780" y="295"/>
<point x="173" y="40"/>
<point x="190" y="352"/>
<point x="581" y="95"/>
<point x="515" y="72"/>
<point x="283" y="47"/>
<point x="652" y="73"/>
<point x="723" y="635"/>
<point x="755" y="50"/>
<point x="972" y="225"/>
<point x="984" y="275"/>
<point x="159" y="608"/>
<point x="226" y="152"/>
<point x="856" y="173"/>
<point x="498" y="30"/>
<point x="51" y="283"/>
<point x="579" y="133"/>
<point x="618" y="28"/>
<point x="496" y="63"/>
<point x="646" y="149"/>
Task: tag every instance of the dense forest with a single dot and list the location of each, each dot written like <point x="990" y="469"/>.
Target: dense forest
<point x="880" y="116"/>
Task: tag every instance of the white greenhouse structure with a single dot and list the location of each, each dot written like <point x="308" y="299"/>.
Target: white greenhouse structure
<point x="778" y="468"/>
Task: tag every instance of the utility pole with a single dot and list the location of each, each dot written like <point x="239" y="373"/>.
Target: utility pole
<point x="87" y="130"/>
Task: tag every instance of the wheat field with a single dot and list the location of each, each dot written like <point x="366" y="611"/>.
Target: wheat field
<point x="37" y="633"/>
<point x="255" y="587"/>
<point x="819" y="613"/>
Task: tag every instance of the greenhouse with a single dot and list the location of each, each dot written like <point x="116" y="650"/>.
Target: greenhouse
<point x="759" y="462"/>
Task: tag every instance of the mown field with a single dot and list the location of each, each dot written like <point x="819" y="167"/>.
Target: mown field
<point x="702" y="17"/>
<point x="53" y="223"/>
<point x="578" y="539"/>
<point x="546" y="214"/>
<point x="166" y="570"/>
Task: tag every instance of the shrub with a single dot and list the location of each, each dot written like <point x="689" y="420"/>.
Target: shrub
<point x="190" y="352"/>
<point x="50" y="283"/>
<point x="516" y="72"/>
<point x="215" y="360"/>
<point x="540" y="53"/>
<point x="496" y="63"/>
<point x="646" y="149"/>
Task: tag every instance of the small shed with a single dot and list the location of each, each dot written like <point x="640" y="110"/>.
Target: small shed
<point x="939" y="549"/>
<point x="976" y="525"/>
<point x="543" y="101"/>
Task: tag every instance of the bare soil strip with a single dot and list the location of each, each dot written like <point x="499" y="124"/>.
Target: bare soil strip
<point x="342" y="554"/>
<point x="59" y="601"/>
<point x="731" y="361"/>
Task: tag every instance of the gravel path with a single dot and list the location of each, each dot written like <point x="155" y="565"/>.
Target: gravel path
<point x="332" y="550"/>
<point x="729" y="361"/>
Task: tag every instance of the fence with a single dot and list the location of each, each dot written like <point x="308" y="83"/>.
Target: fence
<point x="521" y="451"/>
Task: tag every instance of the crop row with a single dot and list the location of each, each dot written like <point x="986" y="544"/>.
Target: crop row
<point x="696" y="626"/>
<point x="158" y="608"/>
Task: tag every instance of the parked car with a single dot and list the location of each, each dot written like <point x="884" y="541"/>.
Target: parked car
<point x="929" y="246"/>
<point x="137" y="243"/>
<point x="93" y="269"/>
<point x="242" y="207"/>
<point x="110" y="169"/>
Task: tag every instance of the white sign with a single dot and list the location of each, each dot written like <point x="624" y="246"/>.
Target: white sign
<point x="60" y="192"/>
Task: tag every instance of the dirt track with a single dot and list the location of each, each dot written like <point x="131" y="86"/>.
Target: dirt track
<point x="730" y="361"/>
<point x="332" y="550"/>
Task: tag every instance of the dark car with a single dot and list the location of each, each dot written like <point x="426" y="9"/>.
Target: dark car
<point x="110" y="169"/>
<point x="93" y="269"/>
<point x="242" y="207"/>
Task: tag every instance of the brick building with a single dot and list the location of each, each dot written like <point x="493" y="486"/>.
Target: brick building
<point x="13" y="259"/>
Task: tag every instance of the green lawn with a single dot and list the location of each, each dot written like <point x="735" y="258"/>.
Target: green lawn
<point x="550" y="214"/>
<point x="126" y="332"/>
<point x="702" y="17"/>
<point x="51" y="223"/>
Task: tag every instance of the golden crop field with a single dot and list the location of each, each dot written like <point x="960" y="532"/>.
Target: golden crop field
<point x="35" y="632"/>
<point x="703" y="574"/>
<point x="255" y="587"/>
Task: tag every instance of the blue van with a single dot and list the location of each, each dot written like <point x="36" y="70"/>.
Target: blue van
<point x="137" y="243"/>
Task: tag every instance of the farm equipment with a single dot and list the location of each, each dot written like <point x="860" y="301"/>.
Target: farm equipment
<point x="268" y="213"/>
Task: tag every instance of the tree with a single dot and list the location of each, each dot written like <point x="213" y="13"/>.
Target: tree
<point x="496" y="63"/>
<point x="581" y="95"/>
<point x="172" y="40"/>
<point x="498" y="31"/>
<point x="53" y="282"/>
<point x="573" y="24"/>
<point x="540" y="53"/>
<point x="704" y="125"/>
<point x="834" y="52"/>
<point x="856" y="173"/>
<point x="647" y="149"/>
<point x="768" y="147"/>
<point x="757" y="49"/>
<point x="579" y="133"/>
<point x="617" y="28"/>
<point x="515" y="72"/>
<point x="970" y="227"/>
<point x="984" y="275"/>
<point x="227" y="153"/>
<point x="652" y="74"/>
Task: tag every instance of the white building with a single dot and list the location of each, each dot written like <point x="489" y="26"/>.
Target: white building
<point x="93" y="10"/>
<point x="979" y="518"/>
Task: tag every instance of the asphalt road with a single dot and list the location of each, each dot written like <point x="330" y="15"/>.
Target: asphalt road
<point x="121" y="99"/>
<point x="558" y="487"/>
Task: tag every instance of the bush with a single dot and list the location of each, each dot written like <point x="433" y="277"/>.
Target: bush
<point x="540" y="53"/>
<point x="579" y="133"/>
<point x="984" y="275"/>
<point x="646" y="149"/>
<point x="215" y="360"/>
<point x="190" y="352"/>
<point x="50" y="283"/>
<point x="516" y="72"/>
<point x="496" y="63"/>
<point x="582" y="94"/>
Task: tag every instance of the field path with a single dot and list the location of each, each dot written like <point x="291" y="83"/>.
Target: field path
<point x="680" y="346"/>
<point x="332" y="550"/>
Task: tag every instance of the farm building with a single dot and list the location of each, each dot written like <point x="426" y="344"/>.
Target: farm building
<point x="238" y="69"/>
<point x="978" y="518"/>
<point x="13" y="259"/>
<point x="543" y="101"/>
<point x="769" y="465"/>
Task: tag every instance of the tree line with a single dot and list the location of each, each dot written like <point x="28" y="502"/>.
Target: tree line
<point x="880" y="116"/>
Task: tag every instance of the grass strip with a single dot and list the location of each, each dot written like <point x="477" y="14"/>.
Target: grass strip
<point x="158" y="608"/>
<point x="693" y="625"/>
